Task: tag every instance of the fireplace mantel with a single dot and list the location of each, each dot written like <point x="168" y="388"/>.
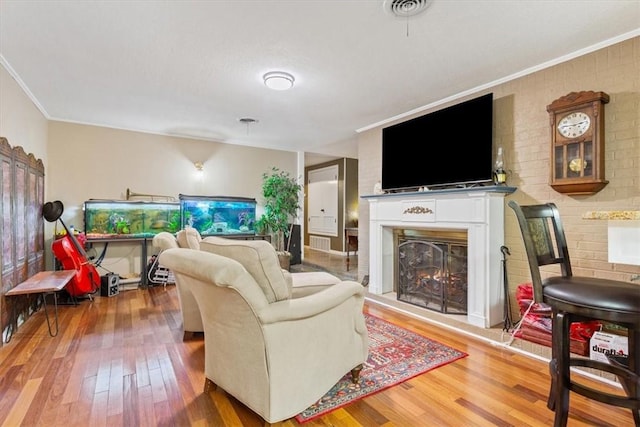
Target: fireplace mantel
<point x="478" y="210"/>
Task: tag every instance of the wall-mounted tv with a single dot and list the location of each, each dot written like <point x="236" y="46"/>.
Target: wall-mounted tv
<point x="448" y="147"/>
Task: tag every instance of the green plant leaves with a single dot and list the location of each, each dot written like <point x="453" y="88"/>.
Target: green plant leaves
<point x="281" y="193"/>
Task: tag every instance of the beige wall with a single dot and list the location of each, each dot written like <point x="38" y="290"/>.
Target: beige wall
<point x="521" y="126"/>
<point x="90" y="162"/>
<point x="101" y="163"/>
<point x="21" y="122"/>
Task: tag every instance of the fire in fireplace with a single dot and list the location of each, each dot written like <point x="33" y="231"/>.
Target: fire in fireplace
<point x="431" y="269"/>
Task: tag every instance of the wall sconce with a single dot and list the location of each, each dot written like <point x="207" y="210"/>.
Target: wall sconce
<point x="199" y="170"/>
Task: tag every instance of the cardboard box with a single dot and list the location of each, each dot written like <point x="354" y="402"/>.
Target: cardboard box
<point x="603" y="344"/>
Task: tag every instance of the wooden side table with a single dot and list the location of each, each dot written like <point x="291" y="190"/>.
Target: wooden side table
<point x="351" y="240"/>
<point x="41" y="283"/>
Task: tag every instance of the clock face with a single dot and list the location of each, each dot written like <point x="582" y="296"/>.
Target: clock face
<point x="574" y="125"/>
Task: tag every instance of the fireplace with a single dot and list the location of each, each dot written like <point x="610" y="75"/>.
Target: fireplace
<point x="476" y="212"/>
<point x="431" y="269"/>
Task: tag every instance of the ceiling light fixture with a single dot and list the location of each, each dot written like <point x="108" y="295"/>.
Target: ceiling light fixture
<point x="278" y="80"/>
<point x="247" y="121"/>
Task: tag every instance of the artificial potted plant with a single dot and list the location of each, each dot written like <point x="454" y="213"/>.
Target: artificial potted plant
<point x="281" y="193"/>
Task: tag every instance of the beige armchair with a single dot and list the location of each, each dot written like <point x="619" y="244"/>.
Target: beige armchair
<point x="191" y="319"/>
<point x="276" y="354"/>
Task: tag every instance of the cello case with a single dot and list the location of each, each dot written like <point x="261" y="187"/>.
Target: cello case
<point x="71" y="255"/>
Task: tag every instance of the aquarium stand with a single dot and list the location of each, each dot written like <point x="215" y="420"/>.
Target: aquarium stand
<point x="143" y="256"/>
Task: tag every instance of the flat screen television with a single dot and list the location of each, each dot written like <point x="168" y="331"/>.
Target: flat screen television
<point x="446" y="148"/>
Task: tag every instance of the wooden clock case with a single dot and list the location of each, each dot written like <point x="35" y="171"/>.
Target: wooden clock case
<point x="577" y="163"/>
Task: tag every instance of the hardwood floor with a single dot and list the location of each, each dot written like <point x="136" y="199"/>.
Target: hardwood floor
<point x="121" y="361"/>
<point x="329" y="261"/>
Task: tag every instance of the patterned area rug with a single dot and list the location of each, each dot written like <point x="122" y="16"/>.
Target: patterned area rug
<point x="395" y="355"/>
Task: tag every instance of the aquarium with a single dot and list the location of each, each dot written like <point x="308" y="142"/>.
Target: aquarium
<point x="218" y="215"/>
<point x="108" y="219"/>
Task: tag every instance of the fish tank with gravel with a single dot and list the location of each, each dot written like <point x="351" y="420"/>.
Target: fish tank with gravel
<point x="109" y="219"/>
<point x="219" y="215"/>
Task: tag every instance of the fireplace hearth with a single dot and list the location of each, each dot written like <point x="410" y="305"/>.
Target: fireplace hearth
<point x="431" y="268"/>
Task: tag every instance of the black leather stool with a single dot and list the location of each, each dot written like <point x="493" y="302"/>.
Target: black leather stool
<point x="574" y="299"/>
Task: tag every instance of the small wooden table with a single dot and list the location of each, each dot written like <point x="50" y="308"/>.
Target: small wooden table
<point x="350" y="235"/>
<point x="41" y="283"/>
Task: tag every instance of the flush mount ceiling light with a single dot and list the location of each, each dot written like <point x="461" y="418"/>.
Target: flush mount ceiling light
<point x="278" y="80"/>
<point x="406" y="8"/>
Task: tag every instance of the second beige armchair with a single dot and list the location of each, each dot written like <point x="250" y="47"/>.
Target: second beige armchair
<point x="191" y="319"/>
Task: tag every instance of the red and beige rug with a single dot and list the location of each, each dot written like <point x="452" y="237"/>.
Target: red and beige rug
<point x="395" y="355"/>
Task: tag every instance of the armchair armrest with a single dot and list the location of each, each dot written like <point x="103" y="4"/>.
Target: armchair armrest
<point x="288" y="279"/>
<point x="311" y="282"/>
<point x="311" y="305"/>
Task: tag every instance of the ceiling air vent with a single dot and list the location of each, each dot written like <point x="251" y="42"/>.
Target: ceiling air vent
<point x="406" y="8"/>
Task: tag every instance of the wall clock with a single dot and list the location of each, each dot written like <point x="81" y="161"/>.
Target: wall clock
<point x="577" y="143"/>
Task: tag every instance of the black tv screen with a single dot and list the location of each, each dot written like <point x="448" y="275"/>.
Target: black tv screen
<point x="448" y="147"/>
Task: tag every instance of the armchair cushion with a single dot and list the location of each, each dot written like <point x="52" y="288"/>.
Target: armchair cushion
<point x="189" y="238"/>
<point x="164" y="240"/>
<point x="309" y="282"/>
<point x="259" y="258"/>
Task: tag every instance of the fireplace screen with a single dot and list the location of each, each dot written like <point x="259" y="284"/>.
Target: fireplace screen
<point x="432" y="271"/>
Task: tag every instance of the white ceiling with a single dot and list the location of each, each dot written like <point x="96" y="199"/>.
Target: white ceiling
<point x="193" y="68"/>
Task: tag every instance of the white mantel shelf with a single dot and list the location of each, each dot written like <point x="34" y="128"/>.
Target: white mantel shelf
<point x="478" y="210"/>
<point x="462" y="192"/>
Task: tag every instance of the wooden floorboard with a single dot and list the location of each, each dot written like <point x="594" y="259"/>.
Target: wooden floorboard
<point x="121" y="361"/>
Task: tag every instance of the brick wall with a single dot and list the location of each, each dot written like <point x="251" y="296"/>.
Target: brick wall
<point x="521" y="126"/>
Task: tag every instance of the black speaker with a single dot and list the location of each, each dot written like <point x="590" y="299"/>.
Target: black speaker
<point x="295" y="246"/>
<point x="109" y="285"/>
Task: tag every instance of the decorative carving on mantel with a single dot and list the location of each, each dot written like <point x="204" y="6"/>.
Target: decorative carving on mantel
<point x="418" y="210"/>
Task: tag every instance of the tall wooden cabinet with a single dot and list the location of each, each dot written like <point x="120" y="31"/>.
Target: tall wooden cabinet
<point x="322" y="206"/>
<point x="331" y="203"/>
<point x="22" y="229"/>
